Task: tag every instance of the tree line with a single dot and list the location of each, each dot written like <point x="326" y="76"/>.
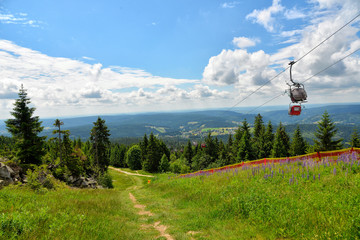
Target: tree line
<point x="67" y="157"/>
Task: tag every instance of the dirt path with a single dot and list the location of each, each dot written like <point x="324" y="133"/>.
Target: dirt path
<point x="129" y="173"/>
<point x="157" y="225"/>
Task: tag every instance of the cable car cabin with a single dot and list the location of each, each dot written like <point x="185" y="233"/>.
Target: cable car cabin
<point x="295" y="110"/>
<point x="203" y="145"/>
<point x="298" y="94"/>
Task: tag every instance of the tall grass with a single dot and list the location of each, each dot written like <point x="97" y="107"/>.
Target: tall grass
<point x="70" y="213"/>
<point x="298" y="200"/>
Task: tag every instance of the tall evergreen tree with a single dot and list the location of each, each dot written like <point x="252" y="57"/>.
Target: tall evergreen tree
<point x="153" y="156"/>
<point x="143" y="146"/>
<point x="245" y="151"/>
<point x="298" y="145"/>
<point x="58" y="131"/>
<point x="259" y="137"/>
<point x="268" y="140"/>
<point x="281" y="143"/>
<point x="133" y="157"/>
<point x="25" y="129"/>
<point x="355" y="141"/>
<point x="188" y="153"/>
<point x="99" y="137"/>
<point x="325" y="133"/>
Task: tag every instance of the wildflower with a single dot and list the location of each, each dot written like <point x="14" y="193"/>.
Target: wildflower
<point x="334" y="171"/>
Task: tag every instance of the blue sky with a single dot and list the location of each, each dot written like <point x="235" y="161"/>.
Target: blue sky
<point x="104" y="57"/>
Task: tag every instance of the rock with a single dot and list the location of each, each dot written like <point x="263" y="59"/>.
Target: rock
<point x="5" y="174"/>
<point x="83" y="182"/>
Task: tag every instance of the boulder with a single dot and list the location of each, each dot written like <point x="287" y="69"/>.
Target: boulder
<point x="83" y="182"/>
<point x="5" y="174"/>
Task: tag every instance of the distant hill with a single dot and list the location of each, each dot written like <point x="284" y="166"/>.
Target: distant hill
<point x="197" y="124"/>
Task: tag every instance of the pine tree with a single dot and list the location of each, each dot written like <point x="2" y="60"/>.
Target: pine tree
<point x="188" y="153"/>
<point x="58" y="124"/>
<point x="281" y="143"/>
<point x="259" y="137"/>
<point x="325" y="133"/>
<point x="355" y="142"/>
<point x="153" y="156"/>
<point x="25" y="129"/>
<point x="298" y="145"/>
<point x="245" y="151"/>
<point x="268" y="140"/>
<point x="99" y="138"/>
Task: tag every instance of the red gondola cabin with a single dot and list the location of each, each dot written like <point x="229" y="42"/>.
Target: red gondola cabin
<point x="295" y="110"/>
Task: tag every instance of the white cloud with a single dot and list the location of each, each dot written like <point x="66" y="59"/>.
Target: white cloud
<point x="294" y="14"/>
<point x="243" y="42"/>
<point x="265" y="16"/>
<point x="229" y="4"/>
<point x="19" y="18"/>
<point x="61" y="86"/>
<point x="247" y="70"/>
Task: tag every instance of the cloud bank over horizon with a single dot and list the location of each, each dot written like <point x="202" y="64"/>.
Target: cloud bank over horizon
<point x="60" y="86"/>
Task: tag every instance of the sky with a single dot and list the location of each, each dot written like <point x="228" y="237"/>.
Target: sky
<point x="88" y="57"/>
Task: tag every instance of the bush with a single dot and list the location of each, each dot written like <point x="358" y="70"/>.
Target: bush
<point x="105" y="180"/>
<point x="133" y="157"/>
<point x="40" y="178"/>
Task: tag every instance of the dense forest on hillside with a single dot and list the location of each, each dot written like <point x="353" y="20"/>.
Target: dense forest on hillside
<point x="68" y="159"/>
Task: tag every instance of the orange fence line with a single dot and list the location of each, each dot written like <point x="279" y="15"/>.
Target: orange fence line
<point x="310" y="156"/>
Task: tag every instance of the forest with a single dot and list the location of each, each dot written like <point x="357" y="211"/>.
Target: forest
<point x="68" y="160"/>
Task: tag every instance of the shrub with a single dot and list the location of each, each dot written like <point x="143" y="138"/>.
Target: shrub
<point x="105" y="180"/>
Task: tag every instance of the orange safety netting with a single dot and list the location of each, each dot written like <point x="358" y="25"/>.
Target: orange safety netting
<point x="330" y="155"/>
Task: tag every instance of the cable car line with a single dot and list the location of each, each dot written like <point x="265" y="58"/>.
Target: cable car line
<point x="277" y="75"/>
<point x="321" y="71"/>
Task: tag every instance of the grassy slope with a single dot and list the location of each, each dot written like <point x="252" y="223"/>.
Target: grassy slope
<point x="71" y="213"/>
<point x="232" y="205"/>
<point x="236" y="205"/>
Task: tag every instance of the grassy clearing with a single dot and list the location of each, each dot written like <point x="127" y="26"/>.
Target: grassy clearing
<point x="71" y="213"/>
<point x="283" y="201"/>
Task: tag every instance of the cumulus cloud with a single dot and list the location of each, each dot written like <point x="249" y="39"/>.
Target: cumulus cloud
<point x="265" y="16"/>
<point x="65" y="86"/>
<point x="247" y="70"/>
<point x="244" y="42"/>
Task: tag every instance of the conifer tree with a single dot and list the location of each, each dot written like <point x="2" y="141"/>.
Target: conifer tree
<point x="188" y="153"/>
<point x="281" y="143"/>
<point x="325" y="133"/>
<point x="245" y="151"/>
<point x="153" y="156"/>
<point x="298" y="145"/>
<point x="99" y="138"/>
<point x="58" y="124"/>
<point x="259" y="137"/>
<point x="268" y="140"/>
<point x="25" y="129"/>
<point x="355" y="141"/>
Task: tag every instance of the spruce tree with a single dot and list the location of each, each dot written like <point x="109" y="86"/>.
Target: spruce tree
<point x="25" y="129"/>
<point x="298" y="144"/>
<point x="188" y="153"/>
<point x="325" y="133"/>
<point x="268" y="140"/>
<point x="99" y="137"/>
<point x="259" y="137"/>
<point x="355" y="142"/>
<point x="245" y="151"/>
<point x="281" y="143"/>
<point x="153" y="156"/>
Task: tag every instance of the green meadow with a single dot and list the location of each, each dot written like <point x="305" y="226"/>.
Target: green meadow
<point x="313" y="200"/>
